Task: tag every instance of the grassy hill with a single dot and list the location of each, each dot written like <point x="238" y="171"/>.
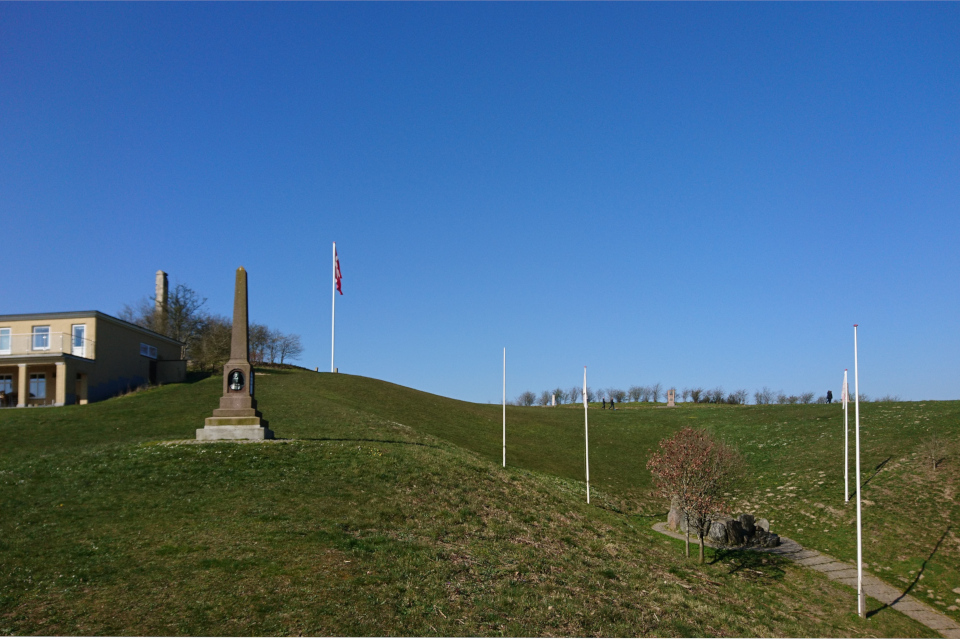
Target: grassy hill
<point x="386" y="512"/>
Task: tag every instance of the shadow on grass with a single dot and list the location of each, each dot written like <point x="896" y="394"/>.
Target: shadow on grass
<point x="877" y="469"/>
<point x="196" y="376"/>
<point x="916" y="578"/>
<point x="750" y="561"/>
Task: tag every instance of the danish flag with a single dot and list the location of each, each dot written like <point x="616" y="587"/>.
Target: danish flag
<point x="336" y="270"/>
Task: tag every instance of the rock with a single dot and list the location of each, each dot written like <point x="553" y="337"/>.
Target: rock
<point x="770" y="540"/>
<point x="718" y="532"/>
<point x="735" y="534"/>
<point x="749" y="527"/>
<point x="764" y="524"/>
<point x="675" y="515"/>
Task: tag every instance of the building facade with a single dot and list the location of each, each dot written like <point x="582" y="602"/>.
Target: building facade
<point x="80" y="357"/>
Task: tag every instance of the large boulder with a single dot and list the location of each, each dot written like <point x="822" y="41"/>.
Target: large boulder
<point x="764" y="524"/>
<point x="749" y="527"/>
<point x="718" y="531"/>
<point x="735" y="534"/>
<point x="769" y="540"/>
<point x="675" y="515"/>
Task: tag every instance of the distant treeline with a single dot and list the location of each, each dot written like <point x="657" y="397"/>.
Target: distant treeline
<point x="207" y="335"/>
<point x="657" y="392"/>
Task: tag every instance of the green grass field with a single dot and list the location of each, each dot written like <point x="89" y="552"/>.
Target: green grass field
<point x="384" y="511"/>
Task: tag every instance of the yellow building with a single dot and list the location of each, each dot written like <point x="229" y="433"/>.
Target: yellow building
<point x="79" y="357"/>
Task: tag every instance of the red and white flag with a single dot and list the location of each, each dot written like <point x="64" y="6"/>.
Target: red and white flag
<point x="336" y="269"/>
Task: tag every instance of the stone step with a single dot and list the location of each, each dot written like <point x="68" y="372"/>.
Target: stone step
<point x="233" y="422"/>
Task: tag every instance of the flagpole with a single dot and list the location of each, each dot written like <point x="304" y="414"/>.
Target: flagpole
<point x="333" y="296"/>
<point x="504" y="407"/>
<point x="861" y="598"/>
<point x="846" y="440"/>
<point x="586" y="432"/>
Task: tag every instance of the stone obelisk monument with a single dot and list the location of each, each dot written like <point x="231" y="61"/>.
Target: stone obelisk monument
<point x="237" y="418"/>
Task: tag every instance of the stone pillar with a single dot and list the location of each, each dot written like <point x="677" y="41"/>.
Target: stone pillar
<point x="237" y="418"/>
<point x="161" y="302"/>
<point x="82" y="388"/>
<point x="671" y="397"/>
<point x="60" y="398"/>
<point x="23" y="385"/>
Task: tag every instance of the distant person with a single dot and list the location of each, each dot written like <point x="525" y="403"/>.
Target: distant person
<point x="604" y="403"/>
<point x="611" y="405"/>
<point x="829" y="396"/>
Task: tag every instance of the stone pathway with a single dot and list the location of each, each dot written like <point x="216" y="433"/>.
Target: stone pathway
<point x="845" y="573"/>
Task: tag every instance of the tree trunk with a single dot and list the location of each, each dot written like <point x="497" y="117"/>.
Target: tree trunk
<point x="688" y="535"/>
<point x="701" y="547"/>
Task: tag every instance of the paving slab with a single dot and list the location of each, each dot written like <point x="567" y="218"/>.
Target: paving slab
<point x="844" y="574"/>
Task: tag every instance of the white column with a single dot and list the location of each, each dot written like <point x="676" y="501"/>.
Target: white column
<point x="333" y="305"/>
<point x="586" y="432"/>
<point x="846" y="440"/>
<point x="60" y="398"/>
<point x="23" y="385"/>
<point x="861" y="598"/>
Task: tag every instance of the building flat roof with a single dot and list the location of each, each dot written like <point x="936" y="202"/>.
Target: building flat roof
<point x="66" y="315"/>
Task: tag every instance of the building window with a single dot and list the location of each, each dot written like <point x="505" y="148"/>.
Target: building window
<point x="38" y="385"/>
<point x="41" y="338"/>
<point x="5" y="340"/>
<point x="147" y="350"/>
<point x="6" y="383"/>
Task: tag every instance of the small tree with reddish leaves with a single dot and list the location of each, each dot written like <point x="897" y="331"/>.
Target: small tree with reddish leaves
<point x="695" y="470"/>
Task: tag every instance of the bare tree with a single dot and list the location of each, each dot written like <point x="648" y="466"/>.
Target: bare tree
<point x="560" y="394"/>
<point x="575" y="393"/>
<point x="141" y="313"/>
<point x="635" y="393"/>
<point x="591" y="395"/>
<point x="807" y="398"/>
<point x="212" y="348"/>
<point x="696" y="471"/>
<point x="716" y="395"/>
<point x="696" y="393"/>
<point x="526" y="399"/>
<point x="619" y="395"/>
<point x="737" y="397"/>
<point x="763" y="396"/>
<point x="290" y="347"/>
<point x="184" y="314"/>
<point x="272" y="347"/>
<point x="258" y="336"/>
<point x="655" y="391"/>
<point x="601" y="395"/>
<point x="933" y="448"/>
<point x="685" y="394"/>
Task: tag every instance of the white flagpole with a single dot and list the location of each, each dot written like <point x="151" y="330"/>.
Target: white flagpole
<point x="333" y="319"/>
<point x="861" y="598"/>
<point x="846" y="440"/>
<point x="586" y="431"/>
<point x="504" y="407"/>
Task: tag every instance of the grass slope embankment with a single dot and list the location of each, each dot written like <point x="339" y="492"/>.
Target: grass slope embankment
<point x="369" y="523"/>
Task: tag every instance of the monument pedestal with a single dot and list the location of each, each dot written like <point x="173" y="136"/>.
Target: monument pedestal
<point x="235" y="429"/>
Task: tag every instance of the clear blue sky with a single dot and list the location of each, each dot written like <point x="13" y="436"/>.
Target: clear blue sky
<point x="690" y="194"/>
